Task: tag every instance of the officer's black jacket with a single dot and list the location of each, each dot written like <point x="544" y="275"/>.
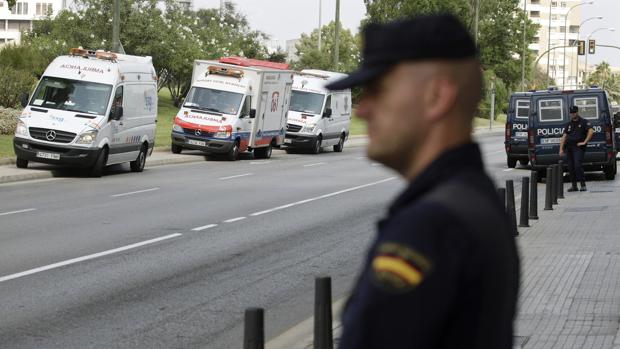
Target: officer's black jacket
<point x="443" y="271"/>
<point x="576" y="131"/>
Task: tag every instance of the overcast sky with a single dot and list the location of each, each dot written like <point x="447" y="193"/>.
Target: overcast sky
<point x="287" y="19"/>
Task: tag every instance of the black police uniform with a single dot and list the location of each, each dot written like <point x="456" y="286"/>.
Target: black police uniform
<point x="443" y="271"/>
<point x="576" y="132"/>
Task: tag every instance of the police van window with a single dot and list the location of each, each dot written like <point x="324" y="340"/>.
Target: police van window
<point x="588" y="107"/>
<point x="551" y="110"/>
<point x="523" y="109"/>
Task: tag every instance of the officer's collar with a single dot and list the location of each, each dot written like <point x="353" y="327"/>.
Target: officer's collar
<point x="450" y="163"/>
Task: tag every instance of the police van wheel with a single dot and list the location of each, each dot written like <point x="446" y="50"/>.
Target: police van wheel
<point x="176" y="149"/>
<point x="233" y="154"/>
<point x="317" y="146"/>
<point x="338" y="147"/>
<point x="138" y="164"/>
<point x="610" y="171"/>
<point x="512" y="163"/>
<point x="21" y="163"/>
<point x="97" y="169"/>
<point x="524" y="162"/>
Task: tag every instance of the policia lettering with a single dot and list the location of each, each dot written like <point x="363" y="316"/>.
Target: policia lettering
<point x="577" y="134"/>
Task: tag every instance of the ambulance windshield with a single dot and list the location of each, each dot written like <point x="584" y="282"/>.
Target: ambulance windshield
<point x="307" y="102"/>
<point x="72" y="95"/>
<point x="216" y="101"/>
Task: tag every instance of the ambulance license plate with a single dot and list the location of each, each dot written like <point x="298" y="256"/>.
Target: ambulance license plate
<point x="550" y="141"/>
<point x="288" y="140"/>
<point x="51" y="156"/>
<point x="199" y="143"/>
<point x="521" y="134"/>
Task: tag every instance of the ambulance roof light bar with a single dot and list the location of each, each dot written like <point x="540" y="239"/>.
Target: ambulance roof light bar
<point x="99" y="54"/>
<point x="312" y="74"/>
<point x="225" y="71"/>
<point x="248" y="62"/>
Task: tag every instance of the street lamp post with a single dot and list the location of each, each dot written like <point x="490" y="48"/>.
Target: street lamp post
<point x="524" y="48"/>
<point x="549" y="40"/>
<point x="585" y="71"/>
<point x="576" y="44"/>
<point x="320" y="1"/>
<point x="565" y="44"/>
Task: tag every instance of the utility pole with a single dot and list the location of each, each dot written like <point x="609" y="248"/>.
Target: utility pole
<point x="320" y="9"/>
<point x="116" y="26"/>
<point x="477" y="15"/>
<point x="492" y="116"/>
<point x="337" y="35"/>
<point x="524" y="47"/>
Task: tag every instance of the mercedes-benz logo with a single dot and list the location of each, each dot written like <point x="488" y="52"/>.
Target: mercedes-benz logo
<point x="50" y="135"/>
<point x="197" y="132"/>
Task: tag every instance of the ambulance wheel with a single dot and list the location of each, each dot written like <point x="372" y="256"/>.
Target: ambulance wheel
<point x="21" y="163"/>
<point x="263" y="153"/>
<point x="233" y="153"/>
<point x="338" y="147"/>
<point x="97" y="169"/>
<point x="610" y="171"/>
<point x="138" y="164"/>
<point x="176" y="149"/>
<point x="317" y="146"/>
<point x="511" y="162"/>
<point x="524" y="162"/>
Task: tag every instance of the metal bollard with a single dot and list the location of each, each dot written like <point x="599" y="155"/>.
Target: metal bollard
<point x="254" y="331"/>
<point x="560" y="180"/>
<point x="502" y="197"/>
<point x="525" y="200"/>
<point x="323" y="337"/>
<point x="510" y="206"/>
<point x="554" y="185"/>
<point x="534" y="195"/>
<point x="548" y="190"/>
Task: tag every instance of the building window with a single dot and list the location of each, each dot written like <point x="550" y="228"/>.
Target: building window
<point x="573" y="29"/>
<point x="535" y="40"/>
<point x="535" y="14"/>
<point x="554" y="17"/>
<point x="535" y="2"/>
<point x="563" y="4"/>
<point x="562" y="29"/>
<point x="554" y="4"/>
<point x="20" y="8"/>
<point x="44" y="9"/>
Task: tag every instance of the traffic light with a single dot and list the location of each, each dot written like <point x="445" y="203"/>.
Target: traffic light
<point x="581" y="48"/>
<point x="591" y="47"/>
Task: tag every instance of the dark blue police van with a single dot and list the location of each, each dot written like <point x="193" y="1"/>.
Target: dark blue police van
<point x="515" y="136"/>
<point x="548" y="117"/>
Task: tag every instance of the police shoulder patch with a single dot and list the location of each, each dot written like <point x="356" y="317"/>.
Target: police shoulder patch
<point x="399" y="268"/>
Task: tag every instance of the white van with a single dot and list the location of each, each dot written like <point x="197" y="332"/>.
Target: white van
<point x="90" y="109"/>
<point x="317" y="117"/>
<point x="234" y="105"/>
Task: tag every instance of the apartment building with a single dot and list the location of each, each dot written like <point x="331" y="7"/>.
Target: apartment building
<point x="19" y="18"/>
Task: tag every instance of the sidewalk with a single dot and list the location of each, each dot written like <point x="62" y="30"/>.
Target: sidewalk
<point x="570" y="276"/>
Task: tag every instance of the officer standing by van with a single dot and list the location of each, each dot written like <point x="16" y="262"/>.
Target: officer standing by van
<point x="577" y="134"/>
<point x="443" y="271"/>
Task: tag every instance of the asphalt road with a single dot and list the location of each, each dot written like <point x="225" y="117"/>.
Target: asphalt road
<point x="171" y="257"/>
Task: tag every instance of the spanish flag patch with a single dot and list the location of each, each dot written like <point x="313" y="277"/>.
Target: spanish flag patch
<point x="399" y="268"/>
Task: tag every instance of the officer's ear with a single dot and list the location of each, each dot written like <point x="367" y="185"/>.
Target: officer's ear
<point x="440" y="97"/>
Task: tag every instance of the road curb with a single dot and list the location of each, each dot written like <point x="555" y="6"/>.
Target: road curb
<point x="26" y="176"/>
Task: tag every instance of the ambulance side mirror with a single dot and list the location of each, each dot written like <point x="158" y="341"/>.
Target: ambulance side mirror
<point x="252" y="113"/>
<point x="23" y="98"/>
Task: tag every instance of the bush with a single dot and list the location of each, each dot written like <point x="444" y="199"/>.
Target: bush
<point x="14" y="83"/>
<point x="8" y="120"/>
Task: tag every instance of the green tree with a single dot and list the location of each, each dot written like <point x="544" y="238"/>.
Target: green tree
<point x="603" y="77"/>
<point x="311" y="57"/>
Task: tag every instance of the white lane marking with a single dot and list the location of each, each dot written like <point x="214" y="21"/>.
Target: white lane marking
<point x="494" y="152"/>
<point x="235" y="176"/>
<point x="321" y="197"/>
<point x="85" y="258"/>
<point x="234" y="219"/>
<point x="508" y="169"/>
<point x="315" y="164"/>
<point x="18" y="211"/>
<point x="259" y="162"/>
<point x="134" y="192"/>
<point x="208" y="226"/>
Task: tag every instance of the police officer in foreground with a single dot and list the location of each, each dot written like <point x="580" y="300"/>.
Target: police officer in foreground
<point x="443" y="271"/>
<point x="577" y="134"/>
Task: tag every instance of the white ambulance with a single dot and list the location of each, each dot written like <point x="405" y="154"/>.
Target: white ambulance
<point x="234" y="105"/>
<point x="317" y="117"/>
<point x="90" y="109"/>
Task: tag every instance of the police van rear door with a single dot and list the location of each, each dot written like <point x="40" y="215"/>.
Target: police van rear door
<point x="521" y="114"/>
<point x="551" y="118"/>
<point x="594" y="108"/>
